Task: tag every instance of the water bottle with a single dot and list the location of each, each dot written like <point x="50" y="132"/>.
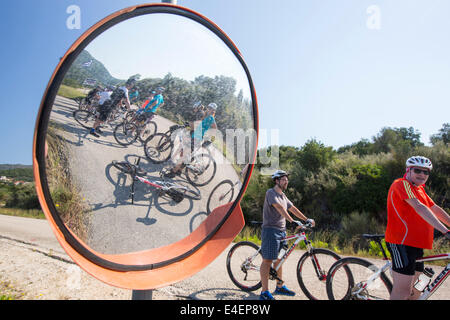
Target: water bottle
<point x="282" y="251"/>
<point x="424" y="279"/>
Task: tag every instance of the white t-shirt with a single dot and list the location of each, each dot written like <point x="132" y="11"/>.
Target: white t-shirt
<point x="104" y="95"/>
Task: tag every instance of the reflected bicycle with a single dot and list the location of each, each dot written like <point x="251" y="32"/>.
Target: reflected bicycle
<point x="174" y="190"/>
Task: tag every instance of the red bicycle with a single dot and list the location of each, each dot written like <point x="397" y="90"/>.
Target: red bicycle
<point x="358" y="279"/>
<point x="244" y="260"/>
<point x="174" y="190"/>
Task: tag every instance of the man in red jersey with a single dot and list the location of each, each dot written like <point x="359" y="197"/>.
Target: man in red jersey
<point x="412" y="218"/>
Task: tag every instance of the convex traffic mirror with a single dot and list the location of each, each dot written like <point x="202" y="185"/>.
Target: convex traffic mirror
<point x="144" y="142"/>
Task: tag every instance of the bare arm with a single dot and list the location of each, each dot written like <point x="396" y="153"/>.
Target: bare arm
<point x="441" y="214"/>
<point x="427" y="214"/>
<point x="293" y="210"/>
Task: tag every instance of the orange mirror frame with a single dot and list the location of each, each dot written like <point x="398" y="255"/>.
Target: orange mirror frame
<point x="154" y="268"/>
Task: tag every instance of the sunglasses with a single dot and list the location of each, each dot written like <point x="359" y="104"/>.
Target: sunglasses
<point x="418" y="171"/>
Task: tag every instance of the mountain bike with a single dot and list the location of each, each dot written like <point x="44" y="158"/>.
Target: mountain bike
<point x="244" y="261"/>
<point x="82" y="103"/>
<point x="175" y="191"/>
<point x="87" y="118"/>
<point x="201" y="167"/>
<point x="133" y="128"/>
<point x="358" y="279"/>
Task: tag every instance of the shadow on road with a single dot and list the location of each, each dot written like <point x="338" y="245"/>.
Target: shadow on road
<point x="223" y="294"/>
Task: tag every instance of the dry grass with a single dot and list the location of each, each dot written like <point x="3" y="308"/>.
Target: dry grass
<point x="65" y="196"/>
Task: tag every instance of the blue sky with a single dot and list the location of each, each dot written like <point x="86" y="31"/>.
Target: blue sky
<point x="319" y="71"/>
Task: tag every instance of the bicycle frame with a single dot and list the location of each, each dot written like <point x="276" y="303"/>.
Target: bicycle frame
<point x="279" y="262"/>
<point x="432" y="287"/>
<point x="301" y="236"/>
<point x="371" y="280"/>
<point x="158" y="186"/>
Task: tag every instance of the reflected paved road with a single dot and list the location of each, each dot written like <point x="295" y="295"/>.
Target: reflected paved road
<point x="116" y="225"/>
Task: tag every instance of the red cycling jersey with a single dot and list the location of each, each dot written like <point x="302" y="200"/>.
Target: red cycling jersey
<point x="405" y="226"/>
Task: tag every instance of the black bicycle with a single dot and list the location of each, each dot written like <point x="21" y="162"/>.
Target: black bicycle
<point x="133" y="128"/>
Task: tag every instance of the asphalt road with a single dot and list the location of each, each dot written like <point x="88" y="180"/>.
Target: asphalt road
<point x="31" y="257"/>
<point x="117" y="226"/>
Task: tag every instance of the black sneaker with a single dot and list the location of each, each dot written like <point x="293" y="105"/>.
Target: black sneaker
<point x="98" y="130"/>
<point x="93" y="133"/>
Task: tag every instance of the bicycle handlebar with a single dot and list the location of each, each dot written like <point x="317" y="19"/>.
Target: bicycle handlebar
<point x="304" y="226"/>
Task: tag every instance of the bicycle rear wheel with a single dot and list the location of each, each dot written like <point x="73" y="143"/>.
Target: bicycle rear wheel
<point x="221" y="194"/>
<point x="85" y="118"/>
<point x="158" y="147"/>
<point x="312" y="271"/>
<point x="201" y="170"/>
<point x="351" y="284"/>
<point x="186" y="192"/>
<point x="243" y="262"/>
<point x="125" y="133"/>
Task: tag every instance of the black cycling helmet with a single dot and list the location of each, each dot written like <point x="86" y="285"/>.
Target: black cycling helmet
<point x="131" y="81"/>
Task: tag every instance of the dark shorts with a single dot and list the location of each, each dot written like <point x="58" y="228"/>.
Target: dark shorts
<point x="271" y="242"/>
<point x="145" y="116"/>
<point x="404" y="258"/>
<point x="104" y="110"/>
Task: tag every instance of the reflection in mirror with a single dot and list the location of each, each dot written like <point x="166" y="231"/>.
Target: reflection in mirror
<point x="152" y="128"/>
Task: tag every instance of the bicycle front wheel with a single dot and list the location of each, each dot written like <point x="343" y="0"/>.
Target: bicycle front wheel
<point x="149" y="130"/>
<point x="312" y="272"/>
<point x="221" y="194"/>
<point x="201" y="170"/>
<point x="243" y="262"/>
<point x="158" y="147"/>
<point x="348" y="280"/>
<point x="123" y="166"/>
<point x="186" y="192"/>
<point x="85" y="118"/>
<point x="126" y="167"/>
<point x="125" y="133"/>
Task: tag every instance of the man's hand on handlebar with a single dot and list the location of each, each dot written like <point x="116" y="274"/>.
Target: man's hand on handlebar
<point x="309" y="223"/>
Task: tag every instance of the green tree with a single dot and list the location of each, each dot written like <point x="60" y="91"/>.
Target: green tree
<point x="389" y="139"/>
<point x="315" y="155"/>
<point x="443" y="135"/>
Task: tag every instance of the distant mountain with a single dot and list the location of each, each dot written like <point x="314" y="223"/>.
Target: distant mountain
<point x="17" y="172"/>
<point x="15" y="166"/>
<point x="87" y="67"/>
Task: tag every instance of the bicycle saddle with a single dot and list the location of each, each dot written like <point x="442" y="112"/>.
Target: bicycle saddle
<point x="206" y="144"/>
<point x="176" y="127"/>
<point x="373" y="236"/>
